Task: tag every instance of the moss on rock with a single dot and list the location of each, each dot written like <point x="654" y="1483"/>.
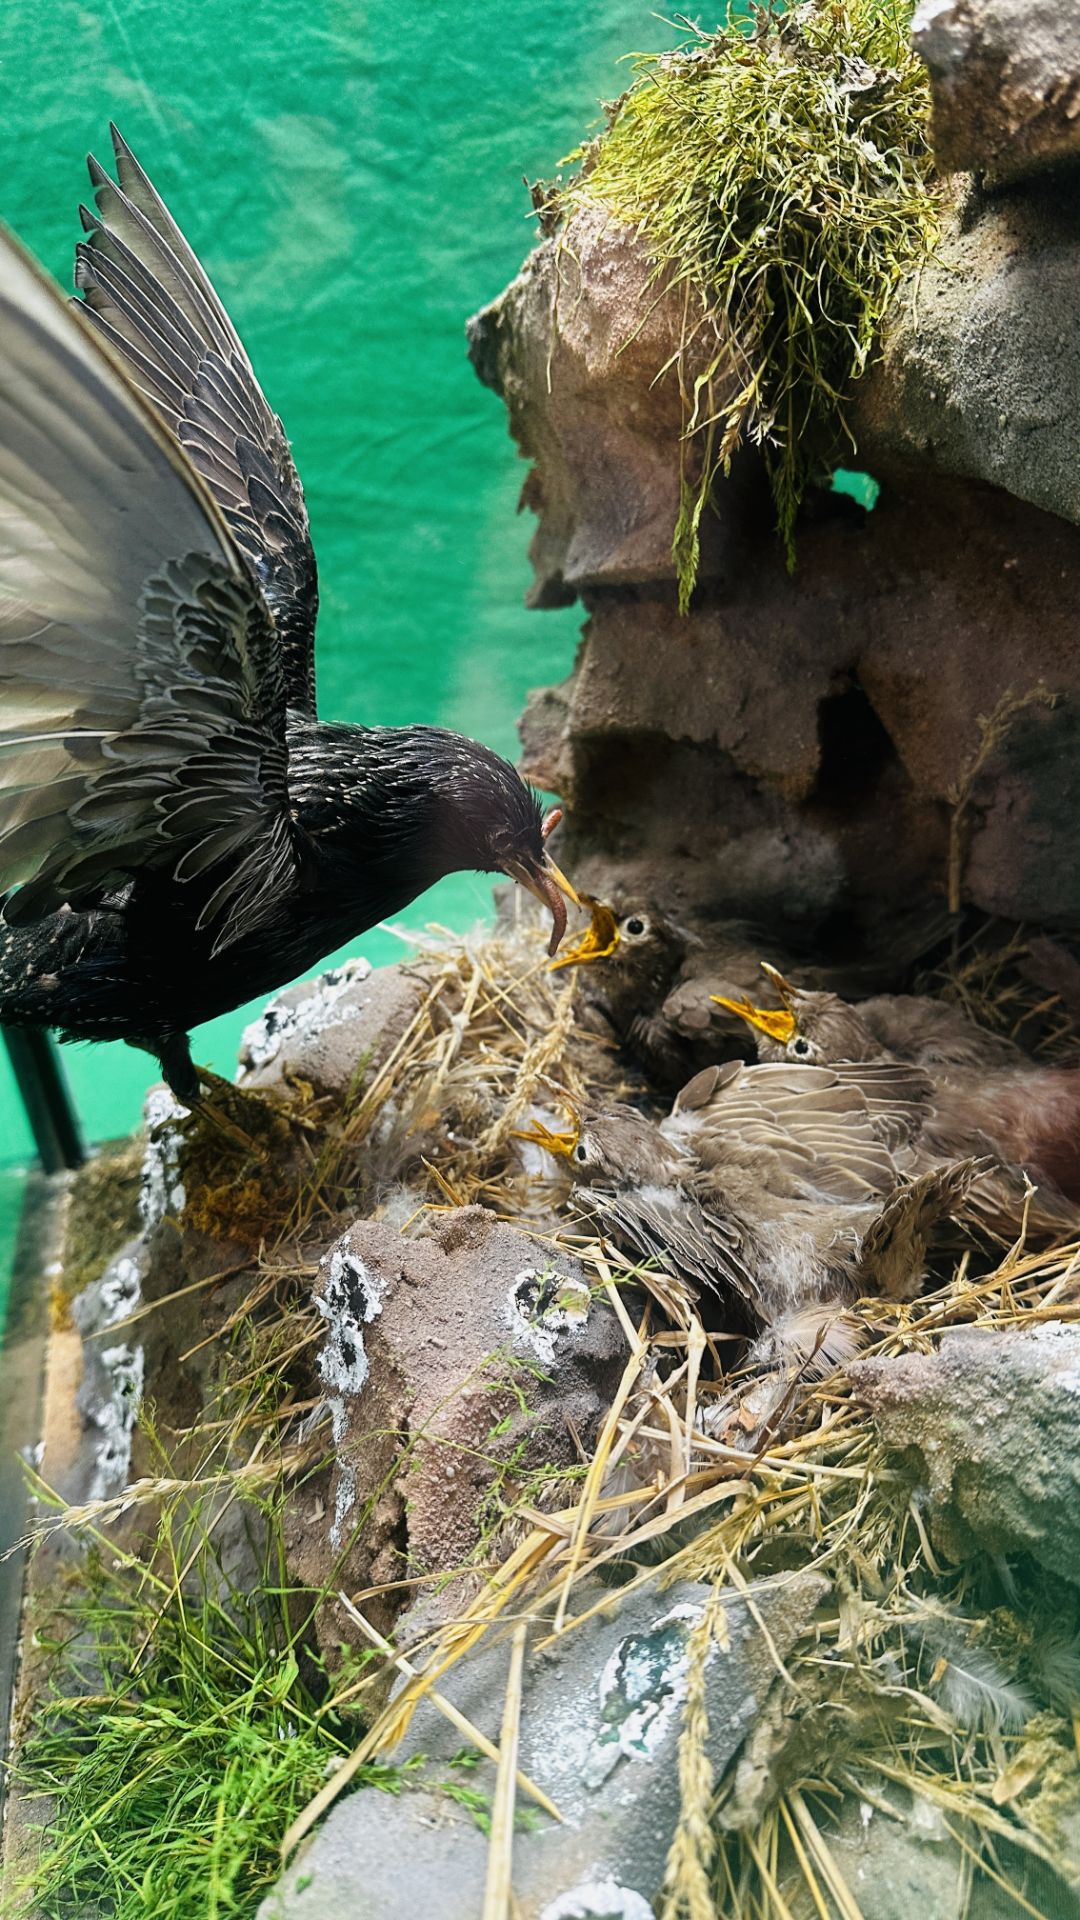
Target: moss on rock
<point x="779" y="171"/>
<point x="103" y="1213"/>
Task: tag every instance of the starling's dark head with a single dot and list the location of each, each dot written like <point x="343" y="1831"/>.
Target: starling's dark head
<point x="495" y="823"/>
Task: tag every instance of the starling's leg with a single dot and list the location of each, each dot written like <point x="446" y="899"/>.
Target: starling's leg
<point x="178" y="1068"/>
<point x="186" y="1082"/>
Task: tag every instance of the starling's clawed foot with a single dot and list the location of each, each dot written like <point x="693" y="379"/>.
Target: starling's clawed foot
<point x="212" y="1099"/>
<point x="213" y="1111"/>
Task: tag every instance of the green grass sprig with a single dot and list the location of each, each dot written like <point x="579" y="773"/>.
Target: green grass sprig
<point x="187" y="1726"/>
<point x="779" y="172"/>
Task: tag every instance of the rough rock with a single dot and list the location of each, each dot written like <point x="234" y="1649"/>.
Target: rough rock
<point x="790" y="751"/>
<point x="981" y="370"/>
<point x="110" y="1392"/>
<point x="575" y="345"/>
<point x="1005" y="76"/>
<point x="599" y="1734"/>
<point x="454" y="1366"/>
<point x="990" y="1426"/>
<point x="909" y="1863"/>
<point x="787" y="753"/>
<point x="327" y="1030"/>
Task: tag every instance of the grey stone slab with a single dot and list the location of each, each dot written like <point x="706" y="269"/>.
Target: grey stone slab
<point x="1006" y="83"/>
<point x="990" y="1424"/>
<point x="600" y="1728"/>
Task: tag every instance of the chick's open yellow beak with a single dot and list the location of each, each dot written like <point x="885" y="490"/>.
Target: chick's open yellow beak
<point x="776" y="979"/>
<point x="599" y="940"/>
<point x="542" y="1136"/>
<point x="778" y="1022"/>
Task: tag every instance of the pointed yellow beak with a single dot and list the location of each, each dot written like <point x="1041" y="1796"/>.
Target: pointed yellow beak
<point x="599" y="940"/>
<point x="778" y="1022"/>
<point x="776" y="979"/>
<point x="542" y="1136"/>
<point x="546" y="883"/>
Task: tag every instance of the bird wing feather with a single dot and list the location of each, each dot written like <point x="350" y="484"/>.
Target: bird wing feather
<point x="142" y="701"/>
<point x="146" y="293"/>
<point x="806" y="1131"/>
<point x="898" y="1097"/>
<point x="666" y="1225"/>
<point x="892" y="1253"/>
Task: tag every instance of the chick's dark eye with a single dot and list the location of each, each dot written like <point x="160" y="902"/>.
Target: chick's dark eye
<point x="800" y="1046"/>
<point x="635" y="926"/>
<point x="580" y="1153"/>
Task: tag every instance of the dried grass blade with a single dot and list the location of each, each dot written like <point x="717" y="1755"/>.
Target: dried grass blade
<point x="458" y="1720"/>
<point x="598" y="1465"/>
<point x="498" y="1888"/>
<point x="834" y="1879"/>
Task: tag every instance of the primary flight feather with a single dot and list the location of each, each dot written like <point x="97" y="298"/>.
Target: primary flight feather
<point x="178" y="830"/>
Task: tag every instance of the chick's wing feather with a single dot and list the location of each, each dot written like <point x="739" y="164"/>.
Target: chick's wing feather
<point x="804" y="1131"/>
<point x="667" y="1226"/>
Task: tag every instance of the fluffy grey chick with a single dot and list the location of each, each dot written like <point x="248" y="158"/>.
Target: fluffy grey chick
<point x="652" y="984"/>
<point x="984" y="1096"/>
<point x="823" y="1214"/>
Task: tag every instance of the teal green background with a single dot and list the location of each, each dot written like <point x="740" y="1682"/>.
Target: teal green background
<point x="351" y="175"/>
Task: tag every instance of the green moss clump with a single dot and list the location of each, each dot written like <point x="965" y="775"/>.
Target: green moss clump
<point x="779" y="172"/>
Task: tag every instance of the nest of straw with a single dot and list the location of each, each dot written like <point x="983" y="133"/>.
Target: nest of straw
<point x="920" y="1684"/>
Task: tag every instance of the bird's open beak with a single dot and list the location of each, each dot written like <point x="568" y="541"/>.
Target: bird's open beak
<point x="778" y="1022"/>
<point x="547" y="884"/>
<point x="784" y="988"/>
<point x="552" y="889"/>
<point x="542" y="1136"/>
<point x="599" y="940"/>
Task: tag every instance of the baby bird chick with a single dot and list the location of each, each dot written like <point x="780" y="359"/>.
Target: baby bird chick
<point x="809" y="1205"/>
<point x="654" y="985"/>
<point x="672" y="997"/>
<point x="985" y="1095"/>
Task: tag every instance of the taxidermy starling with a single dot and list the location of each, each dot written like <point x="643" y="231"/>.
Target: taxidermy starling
<point x="985" y="1094"/>
<point x="180" y="831"/>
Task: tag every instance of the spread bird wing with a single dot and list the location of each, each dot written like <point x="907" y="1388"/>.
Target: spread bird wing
<point x="893" y="1252"/>
<point x="666" y="1225"/>
<point x="803" y="1132"/>
<point x="142" y="703"/>
<point x="146" y="293"/>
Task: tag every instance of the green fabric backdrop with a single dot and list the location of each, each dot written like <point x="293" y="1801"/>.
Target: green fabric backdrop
<point x="351" y="176"/>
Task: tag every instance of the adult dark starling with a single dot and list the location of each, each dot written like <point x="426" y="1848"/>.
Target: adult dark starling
<point x="182" y="831"/>
<point x="986" y="1095"/>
